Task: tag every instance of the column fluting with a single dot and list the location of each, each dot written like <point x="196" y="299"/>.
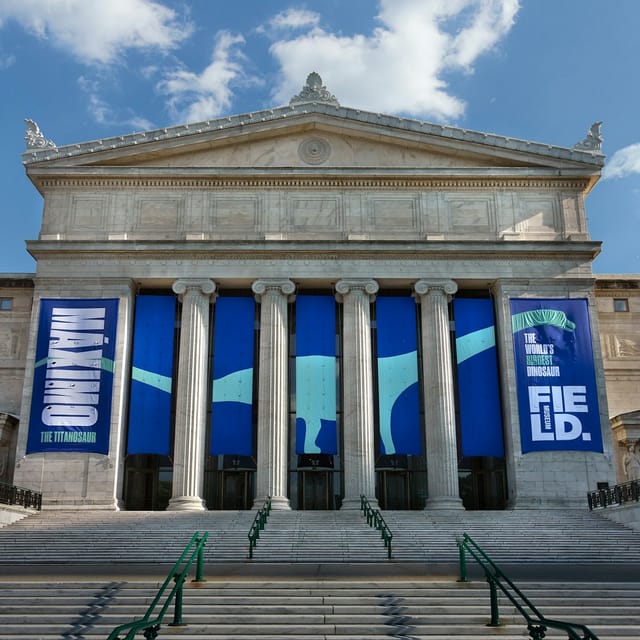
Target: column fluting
<point x="357" y="380"/>
<point x="191" y="395"/>
<point x="439" y="406"/>
<point x="273" y="391"/>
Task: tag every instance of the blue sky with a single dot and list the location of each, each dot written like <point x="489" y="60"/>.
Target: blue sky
<point x="541" y="70"/>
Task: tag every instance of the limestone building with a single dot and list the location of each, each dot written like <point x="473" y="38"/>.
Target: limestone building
<point x="313" y="303"/>
<point x="618" y="303"/>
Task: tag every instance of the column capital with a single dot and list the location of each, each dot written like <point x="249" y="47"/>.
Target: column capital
<point x="204" y="286"/>
<point x="368" y="286"/>
<point x="423" y="287"/>
<point x="281" y="285"/>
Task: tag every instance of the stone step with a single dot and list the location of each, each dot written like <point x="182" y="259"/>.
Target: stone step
<point x="308" y="609"/>
<point x="318" y="537"/>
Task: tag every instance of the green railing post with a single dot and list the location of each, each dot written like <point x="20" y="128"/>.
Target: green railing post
<point x="177" y="606"/>
<point x="200" y="565"/>
<point x="495" y="612"/>
<point x="462" y="561"/>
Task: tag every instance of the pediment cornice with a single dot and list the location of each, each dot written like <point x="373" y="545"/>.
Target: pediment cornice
<point x="463" y="181"/>
<point x="310" y="114"/>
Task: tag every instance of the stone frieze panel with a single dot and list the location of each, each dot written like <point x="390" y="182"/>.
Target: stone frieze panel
<point x="237" y="213"/>
<point x="470" y="214"/>
<point x="318" y="212"/>
<point x="365" y="213"/>
<point x="622" y="346"/>
<point x="394" y="214"/>
<point x="539" y="215"/>
<point x="158" y="215"/>
<point x="88" y="215"/>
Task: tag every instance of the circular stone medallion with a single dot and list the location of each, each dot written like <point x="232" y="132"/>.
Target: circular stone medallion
<point x="314" y="150"/>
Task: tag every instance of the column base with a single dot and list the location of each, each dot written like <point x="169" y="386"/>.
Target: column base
<point x="186" y="503"/>
<point x="351" y="504"/>
<point x="278" y="503"/>
<point x="452" y="504"/>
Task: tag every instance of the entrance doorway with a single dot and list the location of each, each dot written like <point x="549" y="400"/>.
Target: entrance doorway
<point x="237" y="490"/>
<point x="400" y="482"/>
<point x="315" y="483"/>
<point x="483" y="483"/>
<point x="148" y="482"/>
<point x="229" y="483"/>
<point x="315" y="490"/>
<point x="393" y="489"/>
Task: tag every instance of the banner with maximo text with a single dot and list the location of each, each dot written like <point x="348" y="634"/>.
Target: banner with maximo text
<point x="73" y="376"/>
<point x="555" y="373"/>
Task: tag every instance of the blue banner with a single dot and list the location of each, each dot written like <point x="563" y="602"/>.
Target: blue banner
<point x="73" y="376"/>
<point x="151" y="375"/>
<point x="398" y="392"/>
<point x="555" y="373"/>
<point x="232" y="409"/>
<point x="316" y="430"/>
<point x="478" y="381"/>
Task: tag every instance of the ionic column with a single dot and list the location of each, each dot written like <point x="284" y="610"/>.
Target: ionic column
<point x="357" y="366"/>
<point x="273" y="392"/>
<point x="191" y="395"/>
<point x="439" y="407"/>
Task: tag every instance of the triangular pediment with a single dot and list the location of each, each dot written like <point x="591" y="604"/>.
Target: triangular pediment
<point x="320" y="148"/>
<point x="315" y="137"/>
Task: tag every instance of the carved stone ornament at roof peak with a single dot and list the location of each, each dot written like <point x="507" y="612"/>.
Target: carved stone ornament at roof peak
<point x="593" y="141"/>
<point x="35" y="138"/>
<point x="314" y="91"/>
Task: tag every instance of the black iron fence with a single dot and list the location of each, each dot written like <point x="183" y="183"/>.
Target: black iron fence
<point x="621" y="493"/>
<point x="10" y="494"/>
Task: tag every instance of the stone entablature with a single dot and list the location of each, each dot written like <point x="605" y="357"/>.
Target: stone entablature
<point x="472" y="211"/>
<point x="241" y="262"/>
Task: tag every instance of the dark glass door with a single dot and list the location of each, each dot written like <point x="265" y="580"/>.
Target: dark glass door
<point x="315" y="490"/>
<point x="237" y="490"/>
<point x="393" y="489"/>
<point x="483" y="483"/>
<point x="148" y="483"/>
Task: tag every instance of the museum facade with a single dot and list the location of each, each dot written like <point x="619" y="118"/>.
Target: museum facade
<point x="313" y="303"/>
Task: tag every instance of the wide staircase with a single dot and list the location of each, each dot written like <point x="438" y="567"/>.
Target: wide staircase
<point x="316" y="575"/>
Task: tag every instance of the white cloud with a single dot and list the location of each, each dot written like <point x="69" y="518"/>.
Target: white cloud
<point x="624" y="162"/>
<point x="98" y="31"/>
<point x="295" y="19"/>
<point x="194" y="97"/>
<point x="399" y="67"/>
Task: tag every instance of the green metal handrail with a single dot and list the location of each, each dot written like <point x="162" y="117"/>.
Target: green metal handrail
<point x="151" y="622"/>
<point x="258" y="525"/>
<point x="537" y="624"/>
<point x="375" y="520"/>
